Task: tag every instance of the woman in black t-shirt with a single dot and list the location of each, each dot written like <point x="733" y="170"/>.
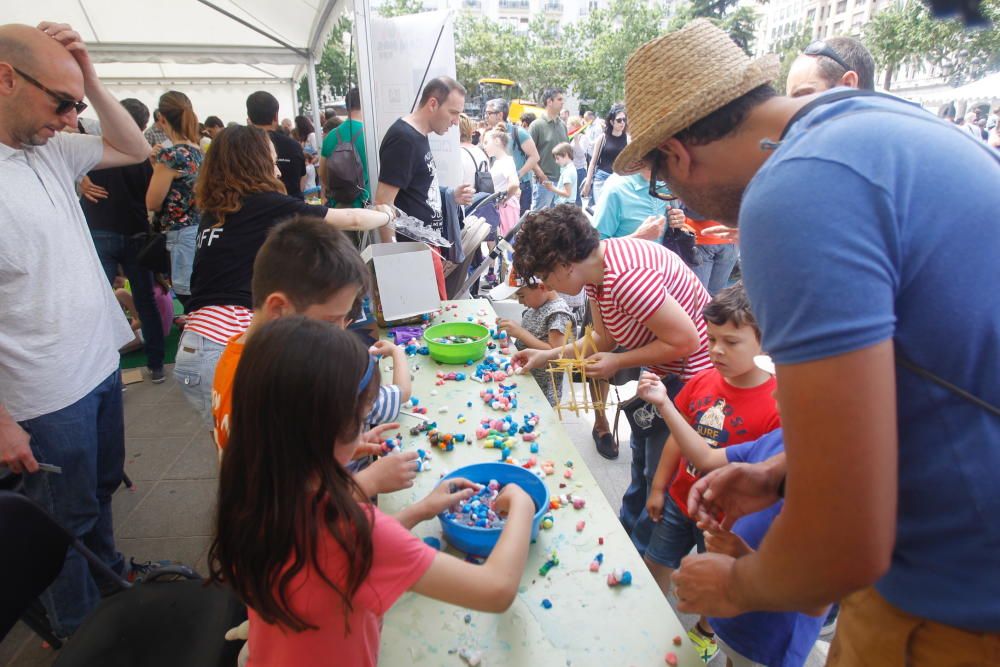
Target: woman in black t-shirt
<point x="607" y="148"/>
<point x="241" y="198"/>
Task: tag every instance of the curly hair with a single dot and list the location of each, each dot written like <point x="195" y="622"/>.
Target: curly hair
<point x="239" y="164"/>
<point x="557" y="236"/>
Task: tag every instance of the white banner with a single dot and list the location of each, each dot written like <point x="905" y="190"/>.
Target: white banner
<point x="400" y="49"/>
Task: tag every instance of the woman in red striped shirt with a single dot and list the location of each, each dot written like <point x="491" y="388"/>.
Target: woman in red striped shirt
<point x="642" y="298"/>
<point x="241" y="197"/>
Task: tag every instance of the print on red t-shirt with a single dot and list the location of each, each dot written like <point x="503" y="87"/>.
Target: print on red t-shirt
<point x="723" y="415"/>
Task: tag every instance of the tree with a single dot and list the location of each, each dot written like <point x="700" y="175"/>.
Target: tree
<point x="738" y="21"/>
<point x="603" y="43"/>
<point x="788" y="50"/>
<point x="485" y="48"/>
<point x="332" y="68"/>
<point x="909" y="35"/>
<point x="390" y="8"/>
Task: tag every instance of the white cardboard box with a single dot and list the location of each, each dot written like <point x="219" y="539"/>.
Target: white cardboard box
<point x="404" y="276"/>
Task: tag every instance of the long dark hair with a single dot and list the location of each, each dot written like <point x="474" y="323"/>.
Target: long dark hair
<point x="238" y="165"/>
<point x="295" y="398"/>
<point x="609" y="121"/>
<point x="176" y="108"/>
<point x="303" y="128"/>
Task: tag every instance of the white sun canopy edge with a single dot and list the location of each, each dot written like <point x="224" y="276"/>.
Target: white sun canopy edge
<point x="215" y="51"/>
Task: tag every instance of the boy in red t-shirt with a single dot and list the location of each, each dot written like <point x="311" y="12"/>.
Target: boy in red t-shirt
<point x="727" y="404"/>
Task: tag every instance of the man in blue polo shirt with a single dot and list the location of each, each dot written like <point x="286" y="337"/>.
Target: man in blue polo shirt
<point x="869" y="236"/>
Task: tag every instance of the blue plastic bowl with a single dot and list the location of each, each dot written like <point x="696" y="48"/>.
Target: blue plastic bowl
<point x="477" y="541"/>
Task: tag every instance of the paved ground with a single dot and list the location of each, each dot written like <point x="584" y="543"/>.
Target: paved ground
<point x="171" y="459"/>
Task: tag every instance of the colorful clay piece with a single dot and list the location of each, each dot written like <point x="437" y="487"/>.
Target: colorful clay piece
<point x="433" y="542"/>
<point x="595" y="564"/>
<point x="580" y="525"/>
<point x="620" y="577"/>
<point x="549" y="564"/>
<point x="547" y="603"/>
<point x="671" y="659"/>
<point x="578" y="503"/>
<point x="478" y="510"/>
<point x="677" y="640"/>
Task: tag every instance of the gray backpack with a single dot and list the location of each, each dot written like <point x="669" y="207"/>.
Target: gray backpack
<point x="345" y="177"/>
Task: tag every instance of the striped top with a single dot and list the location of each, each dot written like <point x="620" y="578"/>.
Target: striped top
<point x="639" y="276"/>
<point x="219" y="323"/>
<point x="386" y="407"/>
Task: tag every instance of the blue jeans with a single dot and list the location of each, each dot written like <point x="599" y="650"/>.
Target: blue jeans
<point x="87" y="439"/>
<point x="646" y="450"/>
<point x="541" y="198"/>
<point x="599" y="177"/>
<point x="181" y="244"/>
<point x="526" y="192"/>
<point x="674" y="536"/>
<point x="581" y="175"/>
<point x="114" y="249"/>
<point x="194" y="370"/>
<point x="717" y="262"/>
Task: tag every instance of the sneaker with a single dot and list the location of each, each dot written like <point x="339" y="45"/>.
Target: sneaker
<point x="830" y="624"/>
<point x="705" y="647"/>
<point x="156" y="376"/>
<point x="137" y="571"/>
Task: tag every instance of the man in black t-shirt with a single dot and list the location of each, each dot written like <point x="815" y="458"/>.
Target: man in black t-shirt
<point x="262" y="112"/>
<point x="407" y="175"/>
<point x="114" y="203"/>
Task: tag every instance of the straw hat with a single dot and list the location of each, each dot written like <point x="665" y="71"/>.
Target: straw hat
<point x="679" y="78"/>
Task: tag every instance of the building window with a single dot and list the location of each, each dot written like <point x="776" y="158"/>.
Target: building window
<point x="838" y="27"/>
<point x="842" y="6"/>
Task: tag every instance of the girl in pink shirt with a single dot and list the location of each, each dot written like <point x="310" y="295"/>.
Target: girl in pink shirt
<point x="316" y="564"/>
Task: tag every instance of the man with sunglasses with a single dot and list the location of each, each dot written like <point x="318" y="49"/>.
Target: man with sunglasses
<point x="60" y="387"/>
<point x="522" y="148"/>
<point x="884" y="334"/>
<point x="826" y="64"/>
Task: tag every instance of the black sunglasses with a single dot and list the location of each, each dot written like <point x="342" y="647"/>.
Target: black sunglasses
<point x="620" y="120"/>
<point x="820" y="48"/>
<point x="63" y="105"/>
<point x="659" y="189"/>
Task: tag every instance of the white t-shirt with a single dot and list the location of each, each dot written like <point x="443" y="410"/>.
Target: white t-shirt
<point x="62" y="326"/>
<point x="504" y="173"/>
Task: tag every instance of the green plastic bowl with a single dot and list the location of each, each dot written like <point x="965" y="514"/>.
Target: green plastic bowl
<point x="457" y="353"/>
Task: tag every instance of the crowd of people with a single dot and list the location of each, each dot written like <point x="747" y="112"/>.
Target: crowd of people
<point x="869" y="494"/>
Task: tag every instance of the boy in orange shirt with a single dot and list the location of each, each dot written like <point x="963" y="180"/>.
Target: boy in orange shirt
<point x="306" y="267"/>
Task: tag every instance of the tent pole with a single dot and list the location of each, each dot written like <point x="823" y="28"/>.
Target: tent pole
<point x="314" y="98"/>
<point x="366" y="86"/>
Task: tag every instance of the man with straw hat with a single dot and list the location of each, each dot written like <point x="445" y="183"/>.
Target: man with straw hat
<point x="878" y="313"/>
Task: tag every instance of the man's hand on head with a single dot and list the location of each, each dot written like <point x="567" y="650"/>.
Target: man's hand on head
<point x="65" y="35"/>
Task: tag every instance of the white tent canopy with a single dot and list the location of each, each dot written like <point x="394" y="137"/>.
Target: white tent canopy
<point x="215" y="51"/>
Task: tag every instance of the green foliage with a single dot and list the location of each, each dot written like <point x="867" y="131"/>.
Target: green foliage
<point x="390" y="8"/>
<point x="485" y="48"/>
<point x="788" y="50"/>
<point x="738" y="21"/>
<point x="331" y="70"/>
<point x="908" y="35"/>
<point x="603" y="42"/>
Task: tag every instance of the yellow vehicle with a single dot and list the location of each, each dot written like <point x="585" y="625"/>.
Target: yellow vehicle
<point x="509" y="90"/>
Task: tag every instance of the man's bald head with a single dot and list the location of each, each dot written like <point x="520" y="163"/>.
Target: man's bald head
<point x="36" y="74"/>
<point x="36" y="53"/>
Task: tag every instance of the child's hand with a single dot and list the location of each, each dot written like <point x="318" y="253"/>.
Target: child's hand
<point x="394" y="472"/>
<point x="651" y="389"/>
<point x="447" y="495"/>
<point x="725" y="542"/>
<point x="377" y="435"/>
<point x="384" y="348"/>
<point x="511" y="327"/>
<point x="528" y="359"/>
<point x="548" y="186"/>
<point x="512" y="496"/>
<point x="654" y="504"/>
